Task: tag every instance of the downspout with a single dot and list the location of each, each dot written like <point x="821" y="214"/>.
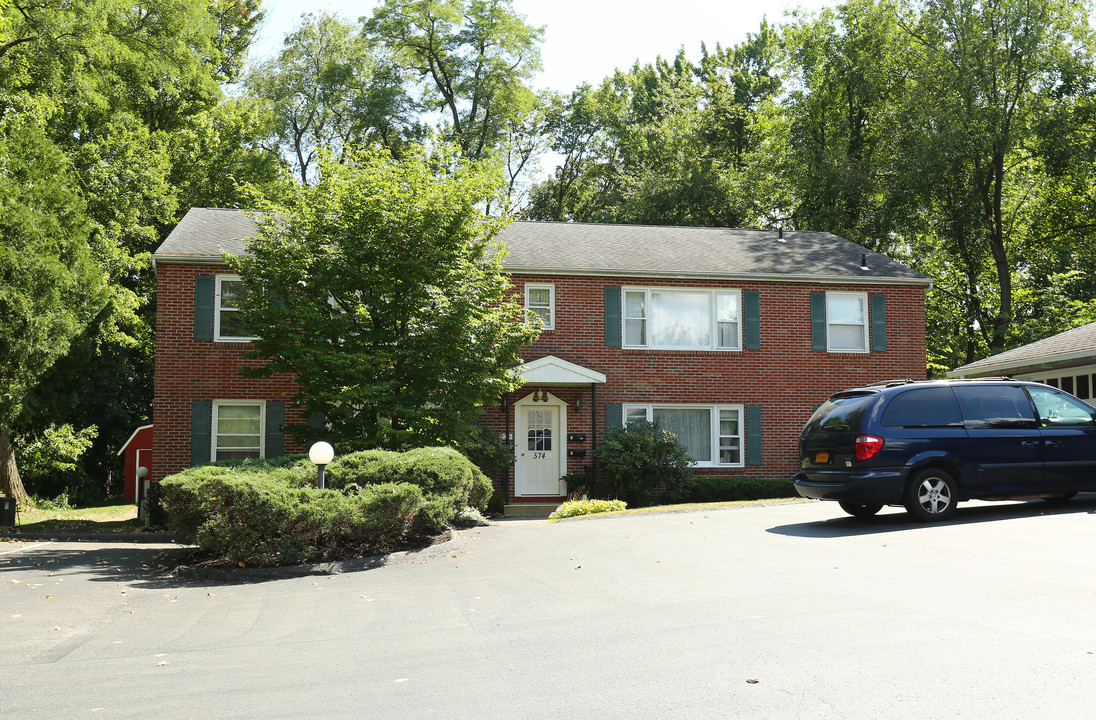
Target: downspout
<point x="506" y="473"/>
<point x="593" y="434"/>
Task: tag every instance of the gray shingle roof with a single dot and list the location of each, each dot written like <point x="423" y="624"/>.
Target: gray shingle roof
<point x="1074" y="346"/>
<point x="594" y="249"/>
<point x="207" y="233"/>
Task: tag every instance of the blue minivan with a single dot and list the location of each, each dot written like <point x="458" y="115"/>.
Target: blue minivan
<point x="927" y="445"/>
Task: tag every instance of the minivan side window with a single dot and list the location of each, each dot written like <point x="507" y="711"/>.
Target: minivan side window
<point x="995" y="406"/>
<point x="923" y="407"/>
<point x="1058" y="409"/>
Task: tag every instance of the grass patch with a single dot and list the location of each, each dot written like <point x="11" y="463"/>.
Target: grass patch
<point x="100" y="518"/>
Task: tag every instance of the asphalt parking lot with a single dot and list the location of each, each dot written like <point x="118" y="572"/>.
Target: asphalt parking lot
<point x="781" y="611"/>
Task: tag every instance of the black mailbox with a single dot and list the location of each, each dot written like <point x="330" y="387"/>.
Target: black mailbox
<point x="577" y="453"/>
<point x="7" y="511"/>
<point x="576" y="437"/>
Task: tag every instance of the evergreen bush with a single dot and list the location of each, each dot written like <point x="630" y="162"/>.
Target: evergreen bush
<point x="727" y="489"/>
<point x="640" y="457"/>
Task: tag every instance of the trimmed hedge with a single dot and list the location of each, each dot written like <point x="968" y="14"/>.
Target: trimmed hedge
<point x="704" y="488"/>
<point x="251" y="518"/>
<point x="439" y="471"/>
<point x="269" y="512"/>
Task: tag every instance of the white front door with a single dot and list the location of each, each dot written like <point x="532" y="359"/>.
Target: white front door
<point x="539" y="449"/>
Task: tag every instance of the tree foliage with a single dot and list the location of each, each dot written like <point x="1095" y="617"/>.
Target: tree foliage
<point x="473" y="59"/>
<point x="50" y="285"/>
<point x="130" y="95"/>
<point x="380" y="289"/>
<point x="331" y="88"/>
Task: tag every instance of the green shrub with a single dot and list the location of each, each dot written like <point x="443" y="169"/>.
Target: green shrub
<point x="240" y="515"/>
<point x="578" y="483"/>
<point x="640" y="457"/>
<point x="574" y="508"/>
<point x="487" y="451"/>
<point x="725" y="489"/>
<point x="439" y="471"/>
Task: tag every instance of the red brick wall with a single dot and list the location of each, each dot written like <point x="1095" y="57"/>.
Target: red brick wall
<point x="189" y="369"/>
<point x="785" y="376"/>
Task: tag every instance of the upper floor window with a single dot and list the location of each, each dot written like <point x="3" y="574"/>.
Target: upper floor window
<point x="238" y="427"/>
<point x="682" y="319"/>
<point x="227" y="317"/>
<point x="540" y="302"/>
<point x="847" y="321"/>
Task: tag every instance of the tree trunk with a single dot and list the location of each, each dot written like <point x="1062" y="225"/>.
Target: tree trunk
<point x="10" y="482"/>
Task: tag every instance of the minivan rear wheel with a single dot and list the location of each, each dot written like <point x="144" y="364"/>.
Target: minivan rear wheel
<point x="860" y="510"/>
<point x="932" y="495"/>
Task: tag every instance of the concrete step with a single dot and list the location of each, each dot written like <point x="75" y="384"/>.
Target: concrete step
<point x="531" y="510"/>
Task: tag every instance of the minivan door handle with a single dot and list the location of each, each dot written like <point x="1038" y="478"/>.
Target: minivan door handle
<point x="1053" y="443"/>
<point x="1030" y="443"/>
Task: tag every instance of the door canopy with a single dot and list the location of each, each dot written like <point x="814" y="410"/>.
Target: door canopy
<point x="551" y="370"/>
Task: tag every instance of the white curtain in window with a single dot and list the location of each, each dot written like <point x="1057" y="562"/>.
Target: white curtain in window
<point x="693" y="427"/>
<point x="680" y="319"/>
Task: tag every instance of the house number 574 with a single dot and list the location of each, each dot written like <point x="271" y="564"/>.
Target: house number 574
<point x="539" y="455"/>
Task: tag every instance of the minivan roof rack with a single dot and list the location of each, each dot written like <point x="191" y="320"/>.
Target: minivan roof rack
<point x="997" y="378"/>
<point x="891" y="383"/>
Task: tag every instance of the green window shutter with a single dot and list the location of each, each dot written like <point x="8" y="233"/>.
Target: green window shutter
<point x="612" y="317"/>
<point x="818" y="321"/>
<point x="614" y="416"/>
<point x="203" y="307"/>
<point x="275" y="435"/>
<point x="878" y="322"/>
<point x="751" y="313"/>
<point x="753" y="434"/>
<point x="201" y="421"/>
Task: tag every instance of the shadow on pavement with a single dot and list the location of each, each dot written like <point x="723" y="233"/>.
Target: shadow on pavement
<point x="842" y="525"/>
<point x="101" y="561"/>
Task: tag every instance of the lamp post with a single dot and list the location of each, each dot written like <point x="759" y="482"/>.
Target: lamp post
<point x="320" y="454"/>
<point x="144" y="509"/>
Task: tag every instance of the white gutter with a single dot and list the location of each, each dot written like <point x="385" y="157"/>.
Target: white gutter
<point x="1034" y="363"/>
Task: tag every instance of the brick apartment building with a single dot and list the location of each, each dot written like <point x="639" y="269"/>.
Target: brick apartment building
<point x="728" y="337"/>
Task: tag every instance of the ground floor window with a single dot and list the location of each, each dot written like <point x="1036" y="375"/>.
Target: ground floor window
<point x="710" y="434"/>
<point x="237" y="429"/>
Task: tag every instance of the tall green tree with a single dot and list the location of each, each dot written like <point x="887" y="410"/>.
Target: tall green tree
<point x="668" y="143"/>
<point x="50" y="285"/>
<point x="473" y="60"/>
<point x="985" y="76"/>
<point x="330" y="88"/>
<point x="380" y="289"/>
<point x="124" y="91"/>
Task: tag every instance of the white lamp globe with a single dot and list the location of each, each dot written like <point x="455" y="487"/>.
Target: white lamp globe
<point x="321" y="453"/>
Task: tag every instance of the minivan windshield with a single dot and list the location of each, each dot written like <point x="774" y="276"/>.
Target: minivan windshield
<point x="844" y="412"/>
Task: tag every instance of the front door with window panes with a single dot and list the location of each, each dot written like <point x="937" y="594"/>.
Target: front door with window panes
<point x="536" y="471"/>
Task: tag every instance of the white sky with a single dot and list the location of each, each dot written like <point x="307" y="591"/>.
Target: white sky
<point x="585" y="40"/>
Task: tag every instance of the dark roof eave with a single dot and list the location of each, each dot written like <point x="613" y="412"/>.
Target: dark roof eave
<point x="779" y="277"/>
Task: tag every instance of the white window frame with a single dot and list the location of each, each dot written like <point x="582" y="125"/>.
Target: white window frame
<point x="551" y="324"/>
<point x="635" y="409"/>
<point x="217" y="404"/>
<point x="218" y="309"/>
<point x="865" y="347"/>
<point x="713" y="319"/>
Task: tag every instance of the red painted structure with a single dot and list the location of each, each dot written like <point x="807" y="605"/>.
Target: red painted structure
<point x="136" y="452"/>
